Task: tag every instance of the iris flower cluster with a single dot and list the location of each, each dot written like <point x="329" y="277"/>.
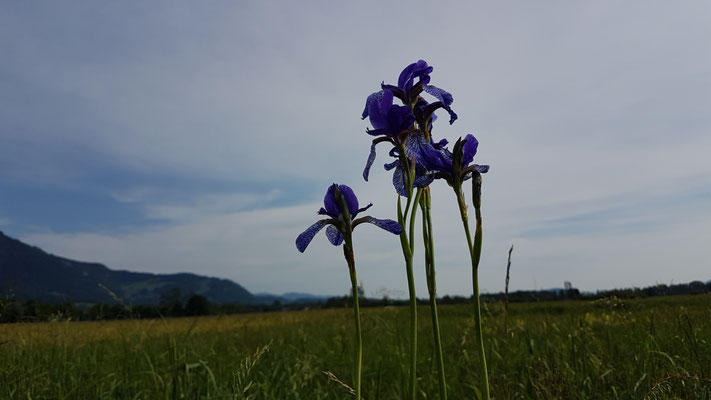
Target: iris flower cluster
<point x="417" y="160"/>
<point x="408" y="129"/>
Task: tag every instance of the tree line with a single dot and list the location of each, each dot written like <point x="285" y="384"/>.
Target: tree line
<point x="175" y="304"/>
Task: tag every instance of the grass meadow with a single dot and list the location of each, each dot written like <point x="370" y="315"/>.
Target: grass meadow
<point x="655" y="348"/>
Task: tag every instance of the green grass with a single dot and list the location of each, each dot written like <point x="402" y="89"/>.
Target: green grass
<point x="658" y="348"/>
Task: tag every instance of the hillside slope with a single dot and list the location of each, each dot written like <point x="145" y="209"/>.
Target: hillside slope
<point x="28" y="272"/>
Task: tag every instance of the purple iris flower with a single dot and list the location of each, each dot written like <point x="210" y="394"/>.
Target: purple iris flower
<point x="342" y="220"/>
<point x="393" y="123"/>
<point x="409" y="92"/>
<point x="447" y="165"/>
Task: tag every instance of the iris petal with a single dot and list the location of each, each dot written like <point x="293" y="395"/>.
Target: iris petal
<point x="329" y="201"/>
<point x="440" y="94"/>
<point x="418" y="69"/>
<point x="400" y="118"/>
<point x="351" y="199"/>
<point x="369" y="163"/>
<point x="391" y="165"/>
<point x="374" y="97"/>
<point x="469" y="150"/>
<point x="386" y="224"/>
<point x="427" y="156"/>
<point x="378" y="110"/>
<point x="452" y="115"/>
<point x="334" y="235"/>
<point x="399" y="181"/>
<point x="303" y="240"/>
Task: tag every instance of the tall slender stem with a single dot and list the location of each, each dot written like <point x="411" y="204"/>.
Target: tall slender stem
<point x="408" y="248"/>
<point x="348" y="253"/>
<point x="407" y="252"/>
<point x="475" y="255"/>
<point x="427" y="234"/>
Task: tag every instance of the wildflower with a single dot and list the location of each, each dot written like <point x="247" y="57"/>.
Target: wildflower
<point x="342" y="219"/>
<point x="454" y="167"/>
<point x="341" y="205"/>
<point x="394" y="124"/>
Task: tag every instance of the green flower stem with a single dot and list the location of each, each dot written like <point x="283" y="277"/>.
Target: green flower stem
<point x="427" y="235"/>
<point x="475" y="255"/>
<point x="348" y="253"/>
<point x="408" y="248"/>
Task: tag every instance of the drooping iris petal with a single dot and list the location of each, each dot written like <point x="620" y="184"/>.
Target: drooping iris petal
<point x="440" y="94"/>
<point x="303" y="240"/>
<point x="369" y="163"/>
<point x="445" y="100"/>
<point x="452" y="115"/>
<point x="399" y="181"/>
<point x="469" y="150"/>
<point x="334" y="236"/>
<point x="386" y="224"/>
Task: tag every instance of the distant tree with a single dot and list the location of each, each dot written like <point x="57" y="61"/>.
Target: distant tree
<point x="697" y="287"/>
<point x="11" y="312"/>
<point x="30" y="308"/>
<point x="197" y="305"/>
<point x="171" y="303"/>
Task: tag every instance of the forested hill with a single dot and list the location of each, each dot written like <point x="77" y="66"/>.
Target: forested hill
<point x="29" y="273"/>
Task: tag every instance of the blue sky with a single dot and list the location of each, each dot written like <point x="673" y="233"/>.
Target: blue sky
<point x="174" y="136"/>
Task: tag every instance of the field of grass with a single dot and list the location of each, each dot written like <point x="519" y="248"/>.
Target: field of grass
<point x="657" y="348"/>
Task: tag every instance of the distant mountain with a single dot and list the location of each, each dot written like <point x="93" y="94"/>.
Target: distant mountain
<point x="28" y="272"/>
<point x="292" y="297"/>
